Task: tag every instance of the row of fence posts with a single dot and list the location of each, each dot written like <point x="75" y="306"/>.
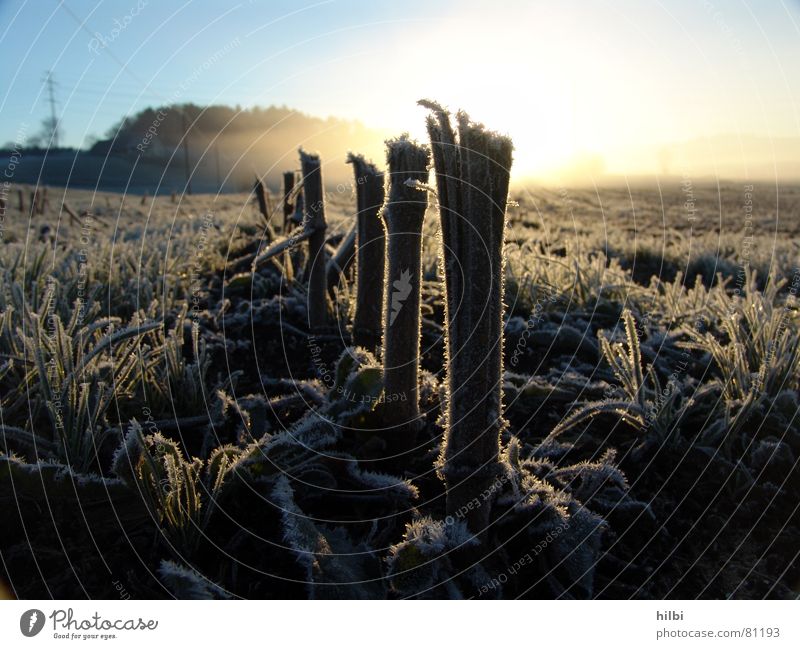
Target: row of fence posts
<point x="472" y="170"/>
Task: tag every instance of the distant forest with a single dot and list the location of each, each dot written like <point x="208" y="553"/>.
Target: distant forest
<point x="265" y="139"/>
<point x="226" y="146"/>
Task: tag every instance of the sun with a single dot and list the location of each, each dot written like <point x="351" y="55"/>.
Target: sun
<point x="537" y="108"/>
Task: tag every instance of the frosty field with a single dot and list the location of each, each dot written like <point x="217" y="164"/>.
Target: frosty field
<point x="168" y="422"/>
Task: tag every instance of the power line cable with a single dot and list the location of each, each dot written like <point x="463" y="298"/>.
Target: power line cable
<point x="145" y="86"/>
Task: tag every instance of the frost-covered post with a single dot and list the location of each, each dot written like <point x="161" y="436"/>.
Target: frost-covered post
<point x="342" y="261"/>
<point x="314" y="221"/>
<point x="403" y="214"/>
<point x="472" y="178"/>
<point x="261" y="197"/>
<point x="370" y="251"/>
<point x="288" y="188"/>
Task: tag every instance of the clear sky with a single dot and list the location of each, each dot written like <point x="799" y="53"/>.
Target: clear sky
<point x="619" y="85"/>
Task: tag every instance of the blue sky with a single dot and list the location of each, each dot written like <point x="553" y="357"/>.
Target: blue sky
<point x="565" y="79"/>
<point x="277" y="52"/>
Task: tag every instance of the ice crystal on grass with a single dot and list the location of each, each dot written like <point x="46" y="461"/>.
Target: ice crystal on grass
<point x="186" y="583"/>
<point x="421" y="565"/>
